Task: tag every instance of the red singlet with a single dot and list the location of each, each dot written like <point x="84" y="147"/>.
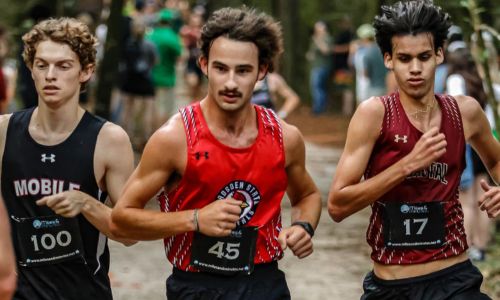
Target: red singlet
<point x="215" y="171"/>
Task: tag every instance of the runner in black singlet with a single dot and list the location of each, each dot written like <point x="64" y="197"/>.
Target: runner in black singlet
<point x="59" y="164"/>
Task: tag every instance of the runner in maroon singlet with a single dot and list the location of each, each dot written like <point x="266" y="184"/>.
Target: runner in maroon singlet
<point x="409" y="148"/>
<point x="224" y="165"/>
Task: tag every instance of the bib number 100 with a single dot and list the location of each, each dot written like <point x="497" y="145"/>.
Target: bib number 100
<point x="48" y="241"/>
<point x="232" y="251"/>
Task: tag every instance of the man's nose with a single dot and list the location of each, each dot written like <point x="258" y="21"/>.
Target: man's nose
<point x="51" y="73"/>
<point x="415" y="66"/>
<point x="230" y="83"/>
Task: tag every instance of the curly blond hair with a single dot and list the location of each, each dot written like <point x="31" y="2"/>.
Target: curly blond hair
<point x="62" y="30"/>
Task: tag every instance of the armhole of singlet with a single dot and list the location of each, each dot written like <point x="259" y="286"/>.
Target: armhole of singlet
<point x="269" y="123"/>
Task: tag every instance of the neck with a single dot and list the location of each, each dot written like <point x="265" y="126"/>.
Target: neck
<point x="423" y="113"/>
<point x="57" y="120"/>
<point x="229" y="122"/>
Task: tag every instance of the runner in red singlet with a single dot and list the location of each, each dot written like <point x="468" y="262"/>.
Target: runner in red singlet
<point x="409" y="148"/>
<point x="224" y="165"/>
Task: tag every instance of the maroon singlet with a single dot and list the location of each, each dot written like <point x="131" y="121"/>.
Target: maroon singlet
<point x="438" y="183"/>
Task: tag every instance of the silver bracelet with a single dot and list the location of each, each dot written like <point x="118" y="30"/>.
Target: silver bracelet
<point x="195" y="220"/>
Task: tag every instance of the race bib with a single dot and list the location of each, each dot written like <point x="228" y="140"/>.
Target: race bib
<point x="414" y="225"/>
<point x="47" y="240"/>
<point x="225" y="255"/>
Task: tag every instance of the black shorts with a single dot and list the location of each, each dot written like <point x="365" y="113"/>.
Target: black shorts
<point x="459" y="282"/>
<point x="265" y="282"/>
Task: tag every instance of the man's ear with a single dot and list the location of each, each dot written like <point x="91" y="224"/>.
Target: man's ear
<point x="203" y="64"/>
<point x="388" y="60"/>
<point x="86" y="72"/>
<point x="439" y="56"/>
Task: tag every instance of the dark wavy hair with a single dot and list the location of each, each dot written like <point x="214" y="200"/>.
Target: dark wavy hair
<point x="411" y="17"/>
<point x="246" y="25"/>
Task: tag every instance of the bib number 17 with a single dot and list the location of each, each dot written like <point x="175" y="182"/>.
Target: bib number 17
<point x="231" y="250"/>
<point x="407" y="224"/>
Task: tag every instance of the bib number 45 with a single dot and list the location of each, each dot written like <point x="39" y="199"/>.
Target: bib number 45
<point x="231" y="252"/>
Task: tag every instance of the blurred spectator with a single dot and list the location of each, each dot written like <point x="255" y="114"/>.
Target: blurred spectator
<point x="463" y="79"/>
<point x="145" y="10"/>
<point x="343" y="77"/>
<point x="356" y="54"/>
<point x="373" y="64"/>
<point x="319" y="56"/>
<point x="190" y="34"/>
<point x="179" y="10"/>
<point x="454" y="41"/>
<point x="270" y="90"/>
<point x="137" y="85"/>
<point x="169" y="49"/>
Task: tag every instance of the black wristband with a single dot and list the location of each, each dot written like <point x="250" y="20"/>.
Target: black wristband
<point x="306" y="225"/>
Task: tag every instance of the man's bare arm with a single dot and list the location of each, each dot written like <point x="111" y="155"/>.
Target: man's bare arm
<point x="478" y="133"/>
<point x="7" y="260"/>
<point x="164" y="154"/>
<point x="280" y="88"/>
<point x="303" y="194"/>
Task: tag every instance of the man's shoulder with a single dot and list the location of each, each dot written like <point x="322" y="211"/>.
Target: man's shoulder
<point x="292" y="136"/>
<point x="171" y="133"/>
<point x="372" y="106"/>
<point x="112" y="135"/>
<point x="468" y="106"/>
<point x="4" y="120"/>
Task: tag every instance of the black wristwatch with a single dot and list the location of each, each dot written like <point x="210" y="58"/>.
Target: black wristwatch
<point x="306" y="225"/>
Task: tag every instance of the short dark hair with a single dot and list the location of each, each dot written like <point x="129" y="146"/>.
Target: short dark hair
<point x="246" y="25"/>
<point x="411" y="17"/>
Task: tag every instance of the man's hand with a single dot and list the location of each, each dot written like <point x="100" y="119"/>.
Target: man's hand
<point x="220" y="217"/>
<point x="297" y="239"/>
<point x="490" y="201"/>
<point x="67" y="204"/>
<point x="430" y="147"/>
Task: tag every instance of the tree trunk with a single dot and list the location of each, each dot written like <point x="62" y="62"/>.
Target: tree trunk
<point x="108" y="69"/>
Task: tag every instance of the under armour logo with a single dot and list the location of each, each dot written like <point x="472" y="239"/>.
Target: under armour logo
<point x="51" y="158"/>
<point x="403" y="138"/>
<point x="199" y="154"/>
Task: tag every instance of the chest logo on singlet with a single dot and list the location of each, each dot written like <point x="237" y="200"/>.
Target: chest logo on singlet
<point x="244" y="191"/>
<point x="48" y="158"/>
<point x="403" y="138"/>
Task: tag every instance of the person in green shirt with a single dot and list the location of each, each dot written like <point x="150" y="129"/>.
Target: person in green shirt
<point x="169" y="48"/>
